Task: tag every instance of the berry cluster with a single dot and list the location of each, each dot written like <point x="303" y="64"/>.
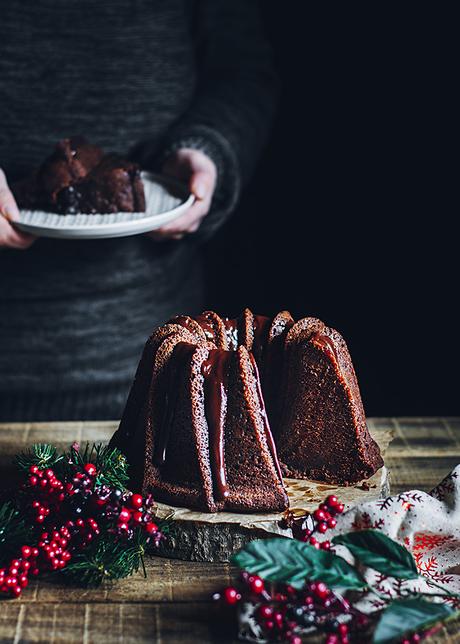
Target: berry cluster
<point x="73" y="513"/>
<point x="16" y="577"/>
<point x="49" y="491"/>
<point x="305" y="527"/>
<point x="285" y="613"/>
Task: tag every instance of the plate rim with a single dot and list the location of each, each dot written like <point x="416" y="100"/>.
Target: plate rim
<point x="117" y="227"/>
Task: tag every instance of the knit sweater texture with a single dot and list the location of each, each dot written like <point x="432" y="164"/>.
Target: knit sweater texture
<point x="142" y="78"/>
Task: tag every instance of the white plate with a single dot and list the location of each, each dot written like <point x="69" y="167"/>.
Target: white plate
<point x="166" y="199"/>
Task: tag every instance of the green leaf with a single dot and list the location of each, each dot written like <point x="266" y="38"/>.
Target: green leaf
<point x="292" y="562"/>
<point x="377" y="551"/>
<point x="407" y="616"/>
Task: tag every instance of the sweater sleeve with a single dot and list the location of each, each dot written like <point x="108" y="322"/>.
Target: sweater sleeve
<point x="230" y="116"/>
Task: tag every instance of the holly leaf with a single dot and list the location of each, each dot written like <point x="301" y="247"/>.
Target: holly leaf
<point x="407" y="616"/>
<point x="375" y="550"/>
<point x="291" y="562"/>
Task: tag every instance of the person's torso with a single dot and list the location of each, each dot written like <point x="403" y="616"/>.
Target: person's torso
<point x="118" y="72"/>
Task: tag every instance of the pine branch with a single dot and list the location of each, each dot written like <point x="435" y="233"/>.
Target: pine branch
<point x="41" y="454"/>
<point x="107" y="561"/>
<point x="111" y="465"/>
<point x="14" y="531"/>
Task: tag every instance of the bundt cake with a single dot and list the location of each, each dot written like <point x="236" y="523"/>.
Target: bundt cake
<point x="79" y="178"/>
<point x="195" y="429"/>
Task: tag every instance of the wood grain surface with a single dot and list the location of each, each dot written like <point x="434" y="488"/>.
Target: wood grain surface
<point x="173" y="604"/>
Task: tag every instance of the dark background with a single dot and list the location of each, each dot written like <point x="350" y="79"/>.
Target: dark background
<point x="350" y="215"/>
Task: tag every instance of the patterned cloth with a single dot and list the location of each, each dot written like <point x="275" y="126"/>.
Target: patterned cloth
<point x="427" y="524"/>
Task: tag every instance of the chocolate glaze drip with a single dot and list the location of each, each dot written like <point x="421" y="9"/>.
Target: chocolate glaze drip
<point x="231" y="331"/>
<point x="325" y="343"/>
<point x="261" y="327"/>
<point x="182" y="353"/>
<point x="216" y="373"/>
<point x="267" y="430"/>
<point x="207" y="326"/>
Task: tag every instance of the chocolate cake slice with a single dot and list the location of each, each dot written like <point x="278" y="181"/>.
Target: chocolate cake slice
<point x="200" y="437"/>
<point x="78" y="178"/>
<point x="322" y="434"/>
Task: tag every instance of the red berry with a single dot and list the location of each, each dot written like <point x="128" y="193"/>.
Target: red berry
<point x="137" y="501"/>
<point x="23" y="581"/>
<point x="269" y="625"/>
<point x="137" y="517"/>
<point x="33" y="480"/>
<point x="122" y="526"/>
<point x="320" y="589"/>
<point x="278" y="618"/>
<point x="319" y="515"/>
<point x="43" y="482"/>
<point x="339" y="508"/>
<point x="295" y="639"/>
<point x="343" y="629"/>
<point x="256" y="584"/>
<point x="40" y="518"/>
<point x="90" y="469"/>
<point x="124" y="515"/>
<point x="332" y="500"/>
<point x="324" y="507"/>
<point x="326" y="545"/>
<point x="231" y="595"/>
<point x="331" y="523"/>
<point x="49" y="474"/>
<point x="312" y="541"/>
<point x="322" y="527"/>
<point x="33" y="469"/>
<point x="25" y="565"/>
<point x="16" y="590"/>
<point x="151" y="528"/>
<point x="265" y="611"/>
<point x="415" y="638"/>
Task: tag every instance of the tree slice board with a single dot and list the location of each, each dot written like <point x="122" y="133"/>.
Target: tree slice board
<point x="215" y="537"/>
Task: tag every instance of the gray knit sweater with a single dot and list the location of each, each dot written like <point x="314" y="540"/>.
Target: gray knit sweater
<point x="138" y="77"/>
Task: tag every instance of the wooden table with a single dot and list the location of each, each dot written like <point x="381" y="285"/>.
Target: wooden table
<point x="173" y="604"/>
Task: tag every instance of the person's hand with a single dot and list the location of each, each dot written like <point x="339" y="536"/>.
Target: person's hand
<point x="200" y="172"/>
<point x="9" y="236"/>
